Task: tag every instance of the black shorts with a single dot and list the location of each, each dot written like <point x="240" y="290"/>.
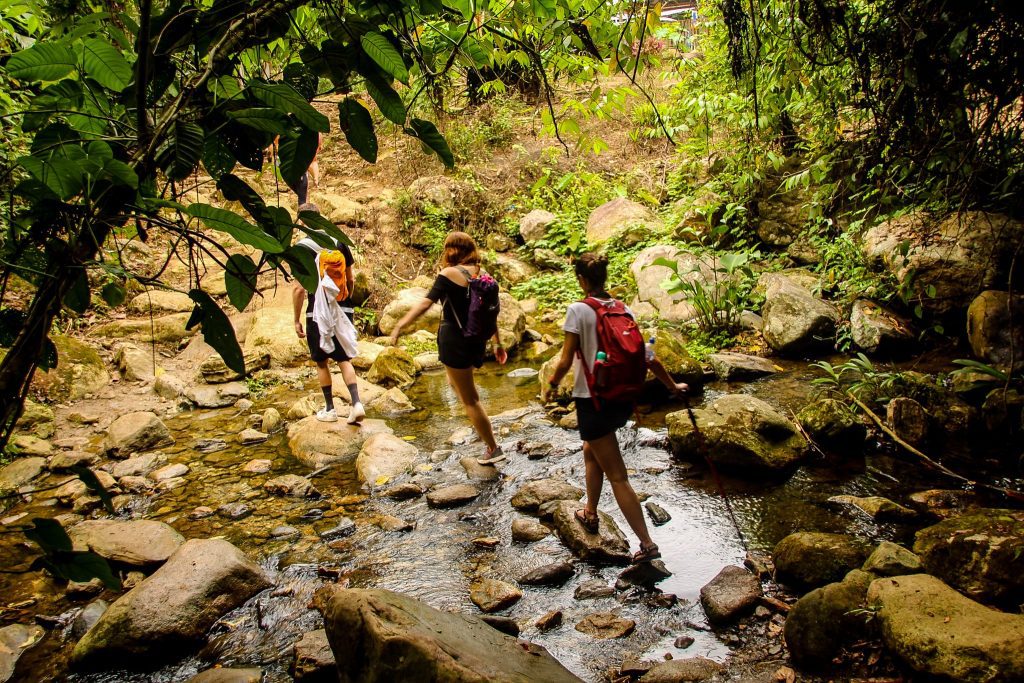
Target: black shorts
<point x="313" y="342"/>
<point x="459" y="352"/>
<point x="595" y="423"/>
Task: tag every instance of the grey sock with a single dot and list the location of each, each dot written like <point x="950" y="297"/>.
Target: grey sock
<point x="353" y="390"/>
<point x="328" y="396"/>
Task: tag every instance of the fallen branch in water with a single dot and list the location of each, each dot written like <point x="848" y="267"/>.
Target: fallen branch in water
<point x="1009" y="493"/>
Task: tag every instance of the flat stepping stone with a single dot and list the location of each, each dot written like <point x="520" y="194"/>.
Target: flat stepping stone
<point x="344" y="528"/>
<point x="452" y="496"/>
<point x="478" y="472"/>
<point x="658" y="514"/>
<point x="645" y="574"/>
<point x="605" y="626"/>
<point x="730" y="595"/>
<point x="677" y="670"/>
<point x="554" y="574"/>
<point x="492" y="595"/>
<point x="534" y="494"/>
<point x="526" y="530"/>
<point x="607" y="545"/>
<point x="142" y="543"/>
<point x="257" y="466"/>
<point x="406" y="491"/>
<point x="739" y="367"/>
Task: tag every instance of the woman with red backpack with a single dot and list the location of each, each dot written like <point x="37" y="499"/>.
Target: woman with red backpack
<point x="469" y="304"/>
<point x="603" y="341"/>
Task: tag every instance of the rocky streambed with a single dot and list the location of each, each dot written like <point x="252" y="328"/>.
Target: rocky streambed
<point x="399" y="505"/>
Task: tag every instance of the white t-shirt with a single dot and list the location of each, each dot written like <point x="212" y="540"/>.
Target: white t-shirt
<point x="580" y="319"/>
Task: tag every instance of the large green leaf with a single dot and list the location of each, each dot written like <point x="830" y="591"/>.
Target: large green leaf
<point x="286" y="99"/>
<point x="543" y="9"/>
<point x="236" y="226"/>
<point x="267" y="119"/>
<point x="303" y="266"/>
<point x="77" y="297"/>
<point x="49" y="535"/>
<point x="357" y="124"/>
<point x="297" y="153"/>
<point x="240" y="280"/>
<point x="388" y="101"/>
<point x="428" y="134"/>
<point x="105" y="64"/>
<point x="217" y="330"/>
<point x="63" y="177"/>
<point x="42" y="62"/>
<point x="317" y="222"/>
<point x="180" y="158"/>
<point x="381" y="51"/>
<point x="217" y="157"/>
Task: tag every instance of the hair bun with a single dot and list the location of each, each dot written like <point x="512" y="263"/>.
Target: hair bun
<point x="602" y="259"/>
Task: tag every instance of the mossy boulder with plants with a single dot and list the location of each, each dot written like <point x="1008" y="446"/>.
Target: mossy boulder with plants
<point x="80" y="371"/>
<point x="833" y="425"/>
<point x="740" y="433"/>
<point x="621" y="216"/>
<point x="809" y="559"/>
<point x="670" y="349"/>
<point x="825" y="619"/>
<point x="393" y="367"/>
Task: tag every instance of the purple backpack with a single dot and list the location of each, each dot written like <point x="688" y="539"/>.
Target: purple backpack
<point x="484" y="306"/>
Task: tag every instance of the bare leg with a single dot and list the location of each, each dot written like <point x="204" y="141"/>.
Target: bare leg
<point x="595" y="479"/>
<point x="608" y="456"/>
<point x="314" y="171"/>
<point x="348" y="373"/>
<point x="323" y="374"/>
<point x="462" y="381"/>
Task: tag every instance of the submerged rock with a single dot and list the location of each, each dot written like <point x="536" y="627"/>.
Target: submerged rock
<point x="554" y="574"/>
<point x="378" y="636"/>
<point x="738" y="367"/>
<point x="981" y="553"/>
<point x="139" y="466"/>
<point x="824" y="620"/>
<point x="680" y="670"/>
<point x="291" y="485"/>
<point x="833" y="425"/>
<point x="228" y="675"/>
<point x="741" y="433"/>
<point x="14" y="640"/>
<point x="730" y="595"/>
<point x="607" y="545"/>
<point x="876" y="507"/>
<point x="452" y="496"/>
<point x="525" y="530"/>
<point x="393" y="367"/>
<point x="492" y="595"/>
<point x="810" y="559"/>
<point x="141" y="543"/>
<point x="941" y="633"/>
<point x="172" y="609"/>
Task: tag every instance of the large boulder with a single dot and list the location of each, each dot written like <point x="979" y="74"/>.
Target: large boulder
<point x="214" y="371"/>
<point x="796" y="321"/>
<point x="80" y="372"/>
<point x="608" y="545"/>
<point x="833" y="425"/>
<point x="674" y="308"/>
<point x="821" y="622"/>
<point x="317" y="444"/>
<point x="995" y="329"/>
<point x="980" y="553"/>
<point x="15" y="639"/>
<point x="272" y="333"/>
<point x="379" y="636"/>
<point x="941" y="633"/>
<point x="511" y="321"/>
<point x="877" y="330"/>
<point x="136" y="432"/>
<point x="384" y="456"/>
<point x="621" y="217"/>
<point x="401" y="304"/>
<point x="509" y="271"/>
<point x="172" y="609"/>
<point x="809" y="559"/>
<point x="534" y="226"/>
<point x="393" y="367"/>
<point x="731" y="594"/>
<point x="166" y="329"/>
<point x="158" y="301"/>
<point x="781" y="219"/>
<point x="534" y="494"/>
<point x="670" y="349"/>
<point x="741" y="433"/>
<point x="314" y="661"/>
<point x="142" y="543"/>
<point x="954" y="258"/>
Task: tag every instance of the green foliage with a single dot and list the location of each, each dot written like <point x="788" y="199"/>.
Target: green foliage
<point x="260" y="382"/>
<point x="719" y="288"/>
<point x="553" y="291"/>
<point x="860" y="377"/>
<point x="700" y="344"/>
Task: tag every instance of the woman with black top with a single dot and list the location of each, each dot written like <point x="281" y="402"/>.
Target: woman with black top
<point x="459" y="354"/>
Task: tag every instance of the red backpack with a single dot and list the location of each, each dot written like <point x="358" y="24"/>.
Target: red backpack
<point x="622" y="375"/>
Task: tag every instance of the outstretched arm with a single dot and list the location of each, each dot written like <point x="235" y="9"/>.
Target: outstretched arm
<point x="572" y="342"/>
<point x="659" y="371"/>
<point x="414" y="312"/>
<point x="298" y="298"/>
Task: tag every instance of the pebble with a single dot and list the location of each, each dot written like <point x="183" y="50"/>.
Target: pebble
<point x="683" y="642"/>
<point x="405" y="491"/>
<point x="552" y="619"/>
<point x="452" y="496"/>
<point x="243" y="404"/>
<point x="257" y="466"/>
<point x="440" y="456"/>
<point x="345" y="527"/>
<point x="249" y="437"/>
<point x="554" y="574"/>
<point x="762" y="612"/>
<point x="506" y="625"/>
<point x="234" y="510"/>
<point x="177" y="469"/>
<point x="283" y="531"/>
<point x="210" y="445"/>
<point x="486" y="542"/>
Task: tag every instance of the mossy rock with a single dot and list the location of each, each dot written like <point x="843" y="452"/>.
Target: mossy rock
<point x="393" y="367"/>
<point x="670" y="349"/>
<point x="807" y="560"/>
<point x="833" y="424"/>
<point x="80" y="371"/>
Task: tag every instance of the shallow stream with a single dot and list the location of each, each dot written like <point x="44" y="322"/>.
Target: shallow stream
<point x="438" y="559"/>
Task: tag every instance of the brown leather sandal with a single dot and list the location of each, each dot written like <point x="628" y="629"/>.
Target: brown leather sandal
<point x="591" y="523"/>
<point x="647" y="554"/>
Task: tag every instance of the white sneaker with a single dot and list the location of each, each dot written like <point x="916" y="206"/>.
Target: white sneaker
<point x="356" y="414"/>
<point x="325" y="415"/>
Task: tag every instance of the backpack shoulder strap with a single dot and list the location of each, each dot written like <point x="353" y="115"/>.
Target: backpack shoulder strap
<point x="465" y="273"/>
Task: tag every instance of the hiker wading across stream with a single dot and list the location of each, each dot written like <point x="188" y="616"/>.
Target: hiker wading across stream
<point x="329" y="309"/>
<point x="604" y="404"/>
<point x="463" y="334"/>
